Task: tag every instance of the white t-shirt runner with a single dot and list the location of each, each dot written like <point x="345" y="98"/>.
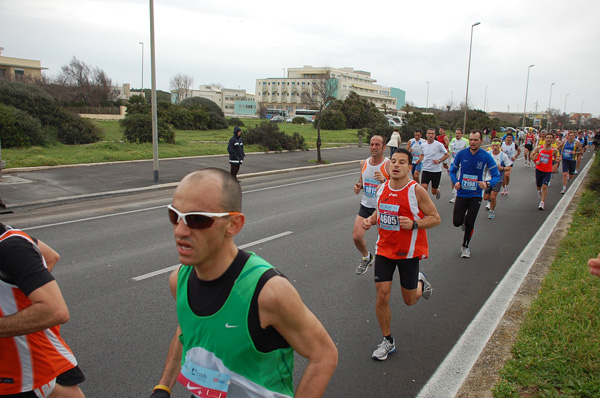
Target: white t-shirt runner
<point x="433" y="151"/>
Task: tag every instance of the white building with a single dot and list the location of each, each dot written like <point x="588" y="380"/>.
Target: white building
<point x="285" y="93"/>
<point x="233" y="102"/>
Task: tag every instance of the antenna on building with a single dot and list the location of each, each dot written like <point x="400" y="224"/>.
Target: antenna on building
<point x="1" y="49"/>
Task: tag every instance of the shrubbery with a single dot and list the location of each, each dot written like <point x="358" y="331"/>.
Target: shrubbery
<point x="331" y="120"/>
<point x="268" y="136"/>
<point x="19" y="129"/>
<point x="299" y="120"/>
<point x="137" y="128"/>
<point x="235" y="121"/>
<point x="54" y="121"/>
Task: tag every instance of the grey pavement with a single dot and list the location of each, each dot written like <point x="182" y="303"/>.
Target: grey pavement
<point x="45" y="186"/>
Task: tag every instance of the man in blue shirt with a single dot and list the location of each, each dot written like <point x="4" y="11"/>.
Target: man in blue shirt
<point x="467" y="171"/>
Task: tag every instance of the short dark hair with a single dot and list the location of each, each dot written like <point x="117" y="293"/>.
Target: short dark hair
<point x="406" y="152"/>
<point x="510" y="134"/>
<point x="475" y="131"/>
<point x="418" y="131"/>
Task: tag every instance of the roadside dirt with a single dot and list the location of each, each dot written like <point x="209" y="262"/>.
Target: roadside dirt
<point x="485" y="373"/>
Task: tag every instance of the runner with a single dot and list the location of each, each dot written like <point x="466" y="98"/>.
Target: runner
<point x="544" y="156"/>
<point x="512" y="150"/>
<point x="469" y="185"/>
<point x="583" y="141"/>
<point x="504" y="164"/>
<point x="373" y="171"/>
<point x="457" y="144"/>
<point x="530" y="143"/>
<point x="414" y="146"/>
<point x="569" y="152"/>
<point x="443" y="139"/>
<point x="404" y="212"/>
<point x="434" y="155"/>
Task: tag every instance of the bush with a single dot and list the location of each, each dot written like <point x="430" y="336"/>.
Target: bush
<point x="217" y="122"/>
<point x="194" y="117"/>
<point x="19" y="129"/>
<point x="300" y="120"/>
<point x="38" y="104"/>
<point x="268" y="136"/>
<point x="331" y="120"/>
<point x="235" y="121"/>
<point x="137" y="128"/>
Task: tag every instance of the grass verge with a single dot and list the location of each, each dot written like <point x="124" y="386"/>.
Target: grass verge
<point x="188" y="143"/>
<point x="557" y="352"/>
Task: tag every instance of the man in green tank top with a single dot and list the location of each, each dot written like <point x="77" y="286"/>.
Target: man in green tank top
<point x="240" y="320"/>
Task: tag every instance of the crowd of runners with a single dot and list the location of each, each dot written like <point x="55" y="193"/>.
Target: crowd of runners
<point x="395" y="197"/>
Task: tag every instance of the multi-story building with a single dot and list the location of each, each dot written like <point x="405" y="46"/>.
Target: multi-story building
<point x="19" y="68"/>
<point x="286" y="93"/>
<point x="233" y="102"/>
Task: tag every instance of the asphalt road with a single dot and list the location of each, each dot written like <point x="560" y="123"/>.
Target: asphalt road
<point x="120" y="327"/>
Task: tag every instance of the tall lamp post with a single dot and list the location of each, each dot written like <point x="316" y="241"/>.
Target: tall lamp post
<point x="427" y="102"/>
<point x="283" y="69"/>
<point x="581" y="115"/>
<point x="526" y="89"/>
<point x="155" y="163"/>
<point x="565" y="108"/>
<point x="468" y="75"/>
<point x="549" y="106"/>
<point x="142" y="88"/>
<point x="485" y="99"/>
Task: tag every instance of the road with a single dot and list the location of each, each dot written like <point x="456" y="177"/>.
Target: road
<point x="123" y="317"/>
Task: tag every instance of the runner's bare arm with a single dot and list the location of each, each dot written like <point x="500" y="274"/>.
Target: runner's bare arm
<point x="48" y="309"/>
<point x="280" y="306"/>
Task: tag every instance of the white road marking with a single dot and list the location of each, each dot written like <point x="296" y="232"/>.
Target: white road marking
<point x="169" y="269"/>
<point x="158" y="207"/>
<point x="452" y="372"/>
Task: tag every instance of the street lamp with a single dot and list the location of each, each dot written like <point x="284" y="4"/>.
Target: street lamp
<point x="142" y="89"/>
<point x="468" y="74"/>
<point x="485" y="98"/>
<point x="283" y="69"/>
<point x="581" y="115"/>
<point x="526" y="89"/>
<point x="427" y="103"/>
<point x="549" y="106"/>
<point x="565" y="108"/>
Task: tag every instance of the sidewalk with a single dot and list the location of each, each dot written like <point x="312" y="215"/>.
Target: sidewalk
<point x="45" y="186"/>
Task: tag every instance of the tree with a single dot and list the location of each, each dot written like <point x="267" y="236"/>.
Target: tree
<point x="321" y="92"/>
<point x="360" y="112"/>
<point x="182" y="84"/>
<point x="86" y="84"/>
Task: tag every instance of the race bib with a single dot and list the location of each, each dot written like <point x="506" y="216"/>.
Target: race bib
<point x="371" y="187"/>
<point x="388" y="217"/>
<point x="544" y="158"/>
<point x="202" y="382"/>
<point x="469" y="182"/>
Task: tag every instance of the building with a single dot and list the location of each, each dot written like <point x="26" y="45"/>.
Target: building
<point x="19" y="69"/>
<point x="285" y="93"/>
<point x="233" y="102"/>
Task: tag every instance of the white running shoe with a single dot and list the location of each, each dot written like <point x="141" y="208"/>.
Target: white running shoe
<point x="383" y="350"/>
<point x="465" y="252"/>
<point x="541" y="206"/>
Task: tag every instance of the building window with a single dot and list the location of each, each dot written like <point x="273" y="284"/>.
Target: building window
<point x="19" y="75"/>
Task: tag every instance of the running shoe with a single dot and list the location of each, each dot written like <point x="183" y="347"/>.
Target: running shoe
<point x="488" y="207"/>
<point x="575" y="172"/>
<point x="506" y="192"/>
<point x="438" y="195"/>
<point x="502" y="191"/>
<point x="465" y="252"/>
<point x="383" y="350"/>
<point x="539" y="193"/>
<point x="427" y="289"/>
<point x="491" y="215"/>
<point x="563" y="191"/>
<point x="365" y="263"/>
<point x="453" y="199"/>
<point x="541" y="206"/>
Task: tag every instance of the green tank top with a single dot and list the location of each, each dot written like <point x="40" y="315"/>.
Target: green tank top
<point x="222" y="341"/>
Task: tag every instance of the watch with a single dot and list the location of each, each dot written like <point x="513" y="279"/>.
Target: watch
<point x="415" y="225"/>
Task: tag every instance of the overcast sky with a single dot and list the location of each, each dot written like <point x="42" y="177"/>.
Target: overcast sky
<point x="403" y="44"/>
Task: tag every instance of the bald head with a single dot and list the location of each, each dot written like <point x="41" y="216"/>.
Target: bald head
<point x="230" y="189"/>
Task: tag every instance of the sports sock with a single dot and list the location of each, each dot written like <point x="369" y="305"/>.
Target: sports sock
<point x="389" y="338"/>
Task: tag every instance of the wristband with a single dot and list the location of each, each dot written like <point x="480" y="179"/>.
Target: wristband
<point x="163" y="387"/>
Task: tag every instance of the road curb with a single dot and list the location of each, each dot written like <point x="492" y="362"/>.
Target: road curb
<point x="155" y="187"/>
